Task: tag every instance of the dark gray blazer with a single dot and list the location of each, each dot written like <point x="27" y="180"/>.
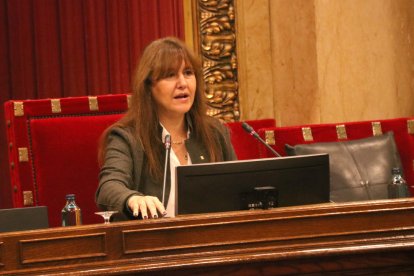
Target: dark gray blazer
<point x="122" y="175"/>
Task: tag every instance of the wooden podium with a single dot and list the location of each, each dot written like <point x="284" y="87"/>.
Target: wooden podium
<point x="354" y="238"/>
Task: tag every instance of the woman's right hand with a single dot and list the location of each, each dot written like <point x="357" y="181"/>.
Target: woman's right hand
<point x="148" y="206"/>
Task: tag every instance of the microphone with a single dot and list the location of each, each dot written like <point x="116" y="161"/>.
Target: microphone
<point x="251" y="131"/>
<point x="167" y="143"/>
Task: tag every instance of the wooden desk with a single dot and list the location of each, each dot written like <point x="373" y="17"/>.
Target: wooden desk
<point x="366" y="237"/>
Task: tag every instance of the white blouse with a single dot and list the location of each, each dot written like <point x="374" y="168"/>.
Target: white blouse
<point x="174" y="162"/>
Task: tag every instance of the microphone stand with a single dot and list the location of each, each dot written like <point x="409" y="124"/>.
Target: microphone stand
<point x="250" y="130"/>
<point x="167" y="143"/>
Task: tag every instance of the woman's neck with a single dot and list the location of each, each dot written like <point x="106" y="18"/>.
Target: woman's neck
<point x="176" y="127"/>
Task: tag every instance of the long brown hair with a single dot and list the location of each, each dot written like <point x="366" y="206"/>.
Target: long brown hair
<point x="158" y="59"/>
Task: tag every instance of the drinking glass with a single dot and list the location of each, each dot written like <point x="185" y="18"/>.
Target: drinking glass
<point x="106" y="215"/>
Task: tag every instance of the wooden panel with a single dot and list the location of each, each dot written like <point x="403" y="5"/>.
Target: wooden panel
<point x="253" y="231"/>
<point x="1" y="254"/>
<point x="62" y="248"/>
<point x="352" y="238"/>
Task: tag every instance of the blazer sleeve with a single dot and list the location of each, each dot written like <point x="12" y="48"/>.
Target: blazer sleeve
<point x="117" y="179"/>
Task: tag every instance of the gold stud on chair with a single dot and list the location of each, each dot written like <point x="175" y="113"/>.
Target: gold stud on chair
<point x="55" y="103"/>
<point x="270" y="137"/>
<point x="23" y="154"/>
<point x="27" y="198"/>
<point x="18" y="109"/>
<point x="93" y="103"/>
<point x="341" y="132"/>
<point x="376" y="128"/>
<point x="410" y="126"/>
<point x="307" y="134"/>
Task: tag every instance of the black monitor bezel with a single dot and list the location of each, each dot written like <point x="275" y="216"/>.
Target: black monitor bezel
<point x="288" y="167"/>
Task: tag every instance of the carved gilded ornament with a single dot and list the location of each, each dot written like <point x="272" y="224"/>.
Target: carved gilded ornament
<point x="216" y="21"/>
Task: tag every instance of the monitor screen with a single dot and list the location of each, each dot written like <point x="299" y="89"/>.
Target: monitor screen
<point x="252" y="184"/>
<point x="27" y="218"/>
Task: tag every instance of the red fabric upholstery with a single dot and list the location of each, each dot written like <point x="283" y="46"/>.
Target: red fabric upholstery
<point x="62" y="150"/>
<point x="246" y="146"/>
<point x="57" y="144"/>
<point x="293" y="135"/>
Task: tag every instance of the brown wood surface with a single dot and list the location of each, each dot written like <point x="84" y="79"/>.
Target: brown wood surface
<point x="356" y="238"/>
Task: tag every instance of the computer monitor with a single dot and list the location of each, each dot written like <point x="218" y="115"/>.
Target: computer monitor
<point x="236" y="185"/>
<point x="27" y="218"/>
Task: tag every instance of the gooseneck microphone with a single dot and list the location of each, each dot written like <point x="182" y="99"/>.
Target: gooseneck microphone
<point x="251" y="131"/>
<point x="167" y="143"/>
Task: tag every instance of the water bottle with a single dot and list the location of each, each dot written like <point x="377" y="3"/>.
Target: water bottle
<point x="71" y="213"/>
<point x="398" y="186"/>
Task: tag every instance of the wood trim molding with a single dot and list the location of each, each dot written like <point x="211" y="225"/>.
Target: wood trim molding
<point x="353" y="238"/>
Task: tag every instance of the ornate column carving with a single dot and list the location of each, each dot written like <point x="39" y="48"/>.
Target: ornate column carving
<point x="215" y="20"/>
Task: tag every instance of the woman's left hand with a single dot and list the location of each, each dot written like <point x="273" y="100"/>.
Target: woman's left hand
<point x="146" y="205"/>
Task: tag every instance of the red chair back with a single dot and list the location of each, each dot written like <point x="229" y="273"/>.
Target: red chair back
<point x="53" y="150"/>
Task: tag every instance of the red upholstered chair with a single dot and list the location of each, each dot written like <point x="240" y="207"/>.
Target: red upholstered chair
<point x="403" y="129"/>
<point x="53" y="150"/>
<point x="245" y="145"/>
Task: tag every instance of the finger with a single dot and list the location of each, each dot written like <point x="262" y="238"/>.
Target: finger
<point x="135" y="209"/>
<point x="160" y="207"/>
<point x="133" y="205"/>
<point x="143" y="209"/>
<point x="151" y="207"/>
